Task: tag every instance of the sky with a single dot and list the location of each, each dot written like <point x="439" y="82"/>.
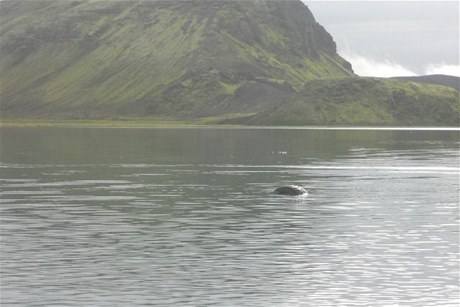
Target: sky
<point x="393" y="38"/>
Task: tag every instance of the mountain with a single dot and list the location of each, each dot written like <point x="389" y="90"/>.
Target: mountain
<point x="95" y="59"/>
<point x="255" y="62"/>
<point x="450" y="81"/>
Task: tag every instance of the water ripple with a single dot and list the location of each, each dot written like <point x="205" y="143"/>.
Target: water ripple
<point x="378" y="228"/>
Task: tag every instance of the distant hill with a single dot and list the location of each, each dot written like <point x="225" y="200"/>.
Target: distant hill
<point x="259" y="61"/>
<point x="450" y="81"/>
<point x="364" y="101"/>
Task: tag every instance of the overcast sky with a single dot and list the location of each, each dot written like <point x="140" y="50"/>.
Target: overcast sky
<point x="388" y="38"/>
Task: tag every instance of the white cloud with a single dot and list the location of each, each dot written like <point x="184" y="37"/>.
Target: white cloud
<point x="366" y="67"/>
<point x="443" y="69"/>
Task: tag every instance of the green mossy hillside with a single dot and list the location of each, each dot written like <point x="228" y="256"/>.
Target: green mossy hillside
<point x="104" y="59"/>
<point x="364" y="101"/>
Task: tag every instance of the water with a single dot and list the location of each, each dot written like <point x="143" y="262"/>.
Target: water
<point x="185" y="217"/>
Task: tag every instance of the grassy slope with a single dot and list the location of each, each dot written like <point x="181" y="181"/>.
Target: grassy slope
<point x="99" y="68"/>
<point x="365" y="101"/>
<point x="450" y="81"/>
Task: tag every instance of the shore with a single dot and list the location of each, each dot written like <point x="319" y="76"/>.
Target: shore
<point x="100" y="123"/>
<point x="203" y="123"/>
<point x="124" y="122"/>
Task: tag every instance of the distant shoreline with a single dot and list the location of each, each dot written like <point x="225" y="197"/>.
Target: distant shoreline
<point x="161" y="123"/>
<point x="94" y="123"/>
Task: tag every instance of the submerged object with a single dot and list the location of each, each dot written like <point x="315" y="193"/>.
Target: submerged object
<point x="292" y="190"/>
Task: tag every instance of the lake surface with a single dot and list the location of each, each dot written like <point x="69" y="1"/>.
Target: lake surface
<point x="185" y="217"/>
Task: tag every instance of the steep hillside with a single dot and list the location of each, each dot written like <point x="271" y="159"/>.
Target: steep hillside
<point x="103" y="59"/>
<point x="364" y="101"/>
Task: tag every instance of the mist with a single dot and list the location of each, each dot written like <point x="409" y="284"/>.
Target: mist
<point x="369" y="67"/>
<point x="394" y="38"/>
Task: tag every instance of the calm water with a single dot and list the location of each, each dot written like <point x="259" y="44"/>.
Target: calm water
<point x="185" y="217"/>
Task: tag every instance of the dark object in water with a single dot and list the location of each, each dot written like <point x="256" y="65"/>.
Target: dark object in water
<point x="290" y="190"/>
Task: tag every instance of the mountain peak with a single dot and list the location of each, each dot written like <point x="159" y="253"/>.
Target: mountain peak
<point x="93" y="58"/>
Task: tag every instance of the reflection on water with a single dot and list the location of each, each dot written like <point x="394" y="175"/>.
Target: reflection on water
<point x="129" y="217"/>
